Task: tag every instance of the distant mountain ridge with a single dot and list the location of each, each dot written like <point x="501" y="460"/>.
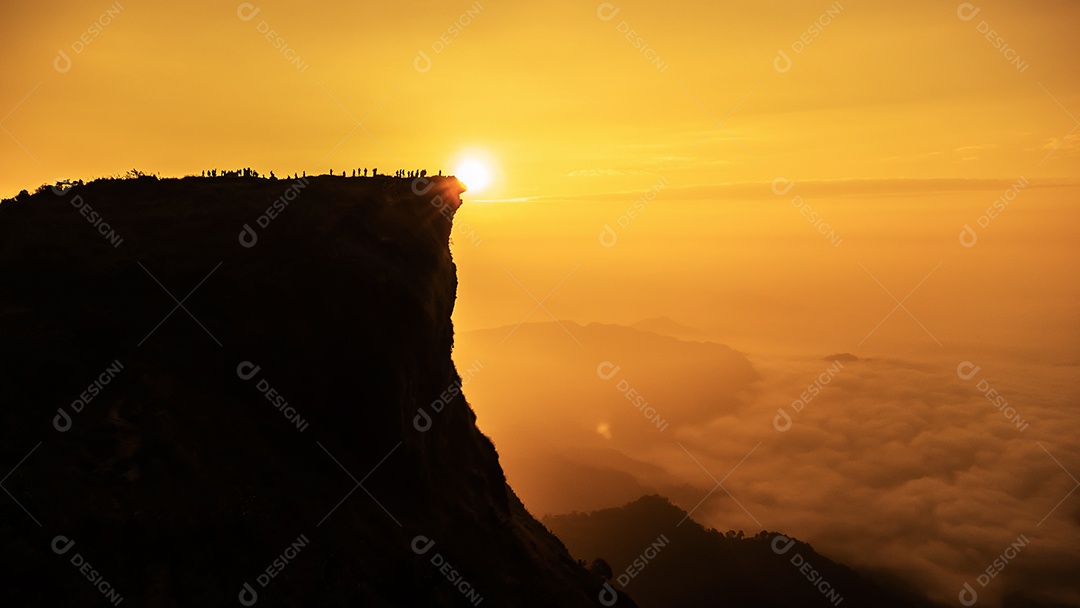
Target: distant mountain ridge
<point x="667" y="326"/>
<point x="666" y="559"/>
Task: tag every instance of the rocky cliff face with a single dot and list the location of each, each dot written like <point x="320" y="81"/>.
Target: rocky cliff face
<point x="238" y="390"/>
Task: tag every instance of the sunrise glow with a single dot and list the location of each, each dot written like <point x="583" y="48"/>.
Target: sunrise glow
<point x="474" y="173"/>
<point x="823" y="253"/>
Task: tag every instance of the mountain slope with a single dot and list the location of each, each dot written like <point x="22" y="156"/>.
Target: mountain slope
<point x="667" y="559"/>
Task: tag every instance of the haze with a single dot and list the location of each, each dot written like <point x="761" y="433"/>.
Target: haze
<point x="783" y="181"/>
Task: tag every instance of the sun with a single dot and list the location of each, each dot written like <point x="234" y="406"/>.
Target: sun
<point x="474" y="173"/>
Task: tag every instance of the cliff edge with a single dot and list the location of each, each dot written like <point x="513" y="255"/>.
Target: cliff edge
<point x="240" y="390"/>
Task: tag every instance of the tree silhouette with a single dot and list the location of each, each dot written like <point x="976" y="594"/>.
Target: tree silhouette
<point x="601" y="569"/>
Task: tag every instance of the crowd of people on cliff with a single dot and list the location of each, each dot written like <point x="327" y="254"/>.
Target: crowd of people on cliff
<point x="65" y="184"/>
<point x="359" y="172"/>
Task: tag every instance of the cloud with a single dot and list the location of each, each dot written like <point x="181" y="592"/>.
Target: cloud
<point x="890" y="465"/>
<point x="906" y="468"/>
<point x="836" y="188"/>
<point x="1070" y="143"/>
<point x="977" y="147"/>
<point x="603" y="172"/>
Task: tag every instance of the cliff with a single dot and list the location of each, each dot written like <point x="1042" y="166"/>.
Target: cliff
<point x="230" y="390"/>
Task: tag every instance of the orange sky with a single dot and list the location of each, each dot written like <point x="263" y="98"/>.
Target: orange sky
<point x="790" y="206"/>
<point x="560" y="98"/>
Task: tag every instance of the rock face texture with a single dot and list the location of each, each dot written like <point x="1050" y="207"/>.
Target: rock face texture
<point x="232" y="391"/>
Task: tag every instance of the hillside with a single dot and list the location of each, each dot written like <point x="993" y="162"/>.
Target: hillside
<point x="666" y="559"/>
<point x="229" y="389"/>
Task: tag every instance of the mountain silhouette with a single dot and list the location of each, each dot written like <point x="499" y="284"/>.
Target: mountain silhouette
<point x="682" y="384"/>
<point x="240" y="390"/>
<point x="666" y="559"/>
<point x="667" y="326"/>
